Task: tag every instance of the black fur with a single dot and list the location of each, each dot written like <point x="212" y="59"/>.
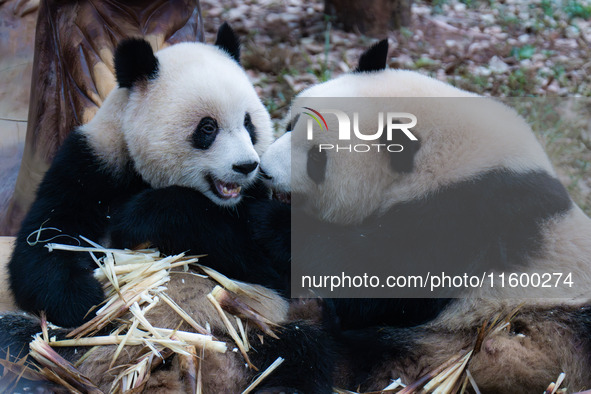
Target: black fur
<point x="492" y="221"/>
<point x="270" y="228"/>
<point x="309" y="355"/>
<point x="292" y="122"/>
<point x="178" y="219"/>
<point x="205" y="134"/>
<point x="228" y="41"/>
<point x="365" y="353"/>
<point x="402" y="162"/>
<point x="374" y="58"/>
<point x="134" y="62"/>
<point x="316" y="164"/>
<point x="16" y="331"/>
<point x="250" y="127"/>
<point x="77" y="196"/>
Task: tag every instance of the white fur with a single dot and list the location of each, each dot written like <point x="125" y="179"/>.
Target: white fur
<point x="276" y="162"/>
<point x="456" y="143"/>
<point x="153" y="122"/>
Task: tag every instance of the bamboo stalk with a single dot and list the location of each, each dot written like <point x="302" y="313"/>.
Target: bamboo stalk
<point x="189" y="338"/>
<point x="263" y="375"/>
<point x="230" y="328"/>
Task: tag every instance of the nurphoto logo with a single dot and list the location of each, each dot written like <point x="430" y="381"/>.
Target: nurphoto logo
<point x="389" y="123"/>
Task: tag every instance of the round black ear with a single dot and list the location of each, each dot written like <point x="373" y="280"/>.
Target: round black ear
<point x="374" y="58"/>
<point x="228" y="41"/>
<point x="135" y="61"/>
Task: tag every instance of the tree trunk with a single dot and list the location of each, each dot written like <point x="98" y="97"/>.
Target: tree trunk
<point x="372" y="17"/>
<point x="73" y="72"/>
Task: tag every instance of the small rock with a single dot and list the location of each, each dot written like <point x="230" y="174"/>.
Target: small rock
<point x="488" y="19"/>
<point x="459" y="7"/>
<point x="496" y="65"/>
<point x="572" y="32"/>
<point x="482" y="71"/>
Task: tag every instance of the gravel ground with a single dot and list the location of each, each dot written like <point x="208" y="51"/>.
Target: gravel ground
<point x="512" y="48"/>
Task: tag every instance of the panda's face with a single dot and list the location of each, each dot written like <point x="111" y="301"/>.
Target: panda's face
<point x="339" y="187"/>
<point x="198" y="123"/>
<point x="276" y="168"/>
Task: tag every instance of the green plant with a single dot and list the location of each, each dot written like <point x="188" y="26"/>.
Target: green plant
<point x="524" y="52"/>
<point x="575" y="9"/>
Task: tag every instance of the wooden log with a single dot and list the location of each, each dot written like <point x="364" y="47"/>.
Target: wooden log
<point x="372" y="17"/>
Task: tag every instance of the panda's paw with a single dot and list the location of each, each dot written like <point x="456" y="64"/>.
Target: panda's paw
<point x="164" y="218"/>
<point x="124" y="238"/>
<point x="69" y="305"/>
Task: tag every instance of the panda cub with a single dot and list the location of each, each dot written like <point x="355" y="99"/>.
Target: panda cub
<point x="169" y="159"/>
<point x="475" y="188"/>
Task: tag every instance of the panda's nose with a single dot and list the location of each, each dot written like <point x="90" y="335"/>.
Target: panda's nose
<point x="245" y="168"/>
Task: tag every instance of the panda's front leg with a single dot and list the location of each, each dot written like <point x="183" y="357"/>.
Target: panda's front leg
<point x="177" y="219"/>
<point x="166" y="218"/>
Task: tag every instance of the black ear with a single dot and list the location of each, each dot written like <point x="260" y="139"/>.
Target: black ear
<point x="374" y="59"/>
<point x="401" y="161"/>
<point x="228" y="41"/>
<point x="135" y="61"/>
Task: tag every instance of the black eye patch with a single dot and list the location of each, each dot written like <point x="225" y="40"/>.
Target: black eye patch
<point x="402" y="162"/>
<point x="292" y="123"/>
<point x="249" y="126"/>
<point x="316" y="165"/>
<point x="205" y="133"/>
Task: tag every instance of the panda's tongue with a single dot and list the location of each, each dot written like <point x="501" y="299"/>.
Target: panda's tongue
<point x="227" y="190"/>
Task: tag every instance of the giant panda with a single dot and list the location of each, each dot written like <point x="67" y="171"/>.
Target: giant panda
<point x="476" y="188"/>
<point x="170" y="159"/>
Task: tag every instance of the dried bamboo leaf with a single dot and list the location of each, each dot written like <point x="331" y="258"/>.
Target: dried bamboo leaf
<point x="186" y="317"/>
<point x="233" y="305"/>
<point x="234" y="285"/>
<point x="50" y="360"/>
<point x="19" y="369"/>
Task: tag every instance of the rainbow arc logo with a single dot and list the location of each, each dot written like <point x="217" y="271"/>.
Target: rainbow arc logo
<point x="316" y="118"/>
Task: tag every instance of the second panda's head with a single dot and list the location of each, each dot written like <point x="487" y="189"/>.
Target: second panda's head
<point x="192" y="117"/>
<point x="456" y="143"/>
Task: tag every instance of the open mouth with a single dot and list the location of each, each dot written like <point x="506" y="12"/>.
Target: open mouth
<point x="224" y="190"/>
<point x="284" y="197"/>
